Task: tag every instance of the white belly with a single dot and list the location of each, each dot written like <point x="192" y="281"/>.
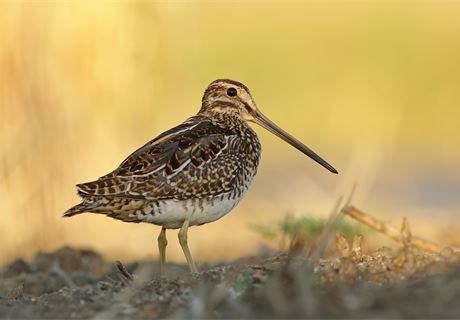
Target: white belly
<point x="171" y="214"/>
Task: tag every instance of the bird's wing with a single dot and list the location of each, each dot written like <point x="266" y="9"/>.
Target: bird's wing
<point x="186" y="160"/>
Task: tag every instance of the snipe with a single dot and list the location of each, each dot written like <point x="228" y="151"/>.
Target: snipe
<point x="192" y="174"/>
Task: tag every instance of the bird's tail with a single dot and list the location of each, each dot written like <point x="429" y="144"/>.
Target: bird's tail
<point x="109" y="206"/>
<point x="88" y="204"/>
<point x="79" y="208"/>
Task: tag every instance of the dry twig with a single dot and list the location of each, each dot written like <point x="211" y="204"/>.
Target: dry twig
<point x="326" y="236"/>
<point x="124" y="274"/>
<point x="16" y="293"/>
<point x="56" y="268"/>
<point x="392" y="231"/>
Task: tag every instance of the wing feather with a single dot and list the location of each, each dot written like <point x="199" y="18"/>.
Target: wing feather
<point x="182" y="161"/>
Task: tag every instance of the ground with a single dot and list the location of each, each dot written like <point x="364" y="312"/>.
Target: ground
<point x="345" y="283"/>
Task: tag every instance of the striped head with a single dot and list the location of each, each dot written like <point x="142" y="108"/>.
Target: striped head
<point x="225" y="96"/>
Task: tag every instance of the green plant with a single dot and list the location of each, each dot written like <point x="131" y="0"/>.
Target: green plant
<point x="304" y="229"/>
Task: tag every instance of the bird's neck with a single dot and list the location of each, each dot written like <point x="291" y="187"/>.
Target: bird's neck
<point x="230" y="120"/>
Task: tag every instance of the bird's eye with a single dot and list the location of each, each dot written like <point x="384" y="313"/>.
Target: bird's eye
<point x="231" y="92"/>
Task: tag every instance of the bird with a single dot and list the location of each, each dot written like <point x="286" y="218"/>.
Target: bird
<point x="192" y="174"/>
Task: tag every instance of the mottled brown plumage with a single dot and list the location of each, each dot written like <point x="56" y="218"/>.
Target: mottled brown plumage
<point x="191" y="174"/>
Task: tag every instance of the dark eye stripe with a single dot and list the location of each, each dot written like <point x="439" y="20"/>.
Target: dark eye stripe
<point x="248" y="108"/>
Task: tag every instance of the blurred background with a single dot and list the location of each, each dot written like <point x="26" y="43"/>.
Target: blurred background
<point x="373" y="87"/>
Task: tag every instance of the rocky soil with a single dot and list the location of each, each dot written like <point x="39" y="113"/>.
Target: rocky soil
<point x="348" y="283"/>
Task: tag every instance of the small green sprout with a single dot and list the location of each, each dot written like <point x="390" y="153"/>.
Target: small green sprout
<point x="305" y="229"/>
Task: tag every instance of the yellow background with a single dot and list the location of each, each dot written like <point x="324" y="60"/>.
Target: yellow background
<point x="372" y="86"/>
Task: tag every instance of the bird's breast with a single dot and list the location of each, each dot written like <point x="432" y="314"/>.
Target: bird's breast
<point x="171" y="214"/>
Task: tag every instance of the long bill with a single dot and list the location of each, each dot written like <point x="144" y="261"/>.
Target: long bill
<point x="266" y="123"/>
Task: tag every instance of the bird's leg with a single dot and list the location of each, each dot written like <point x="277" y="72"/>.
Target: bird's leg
<point x="183" y="243"/>
<point x="162" y="243"/>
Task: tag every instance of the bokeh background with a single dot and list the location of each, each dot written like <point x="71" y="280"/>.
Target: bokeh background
<point x="373" y="87"/>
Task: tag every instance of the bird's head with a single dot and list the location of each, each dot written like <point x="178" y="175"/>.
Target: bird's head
<point x="230" y="97"/>
<point x="225" y="96"/>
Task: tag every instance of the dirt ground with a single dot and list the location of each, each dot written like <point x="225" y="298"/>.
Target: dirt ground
<point x="390" y="283"/>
